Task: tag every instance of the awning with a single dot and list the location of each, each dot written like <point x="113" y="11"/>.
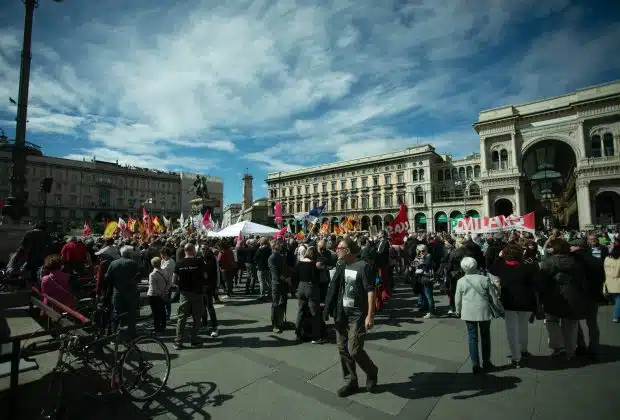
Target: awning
<point x="441" y="218"/>
<point x="420" y="218"/>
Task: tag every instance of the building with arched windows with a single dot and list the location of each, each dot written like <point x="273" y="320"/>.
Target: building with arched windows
<point x="437" y="189"/>
<point x="556" y="156"/>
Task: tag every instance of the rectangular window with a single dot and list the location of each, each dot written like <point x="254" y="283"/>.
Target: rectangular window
<point x="365" y="203"/>
<point x="343" y="184"/>
<point x="388" y="179"/>
<point x="375" y="181"/>
<point x="353" y="183"/>
<point x="376" y="202"/>
<point x="400" y="178"/>
<point x="388" y="200"/>
<point x="334" y="186"/>
<point x="364" y="182"/>
<point x="315" y="188"/>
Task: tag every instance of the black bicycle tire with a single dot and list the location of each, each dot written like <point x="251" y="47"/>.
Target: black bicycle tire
<point x="133" y="346"/>
<point x="58" y="412"/>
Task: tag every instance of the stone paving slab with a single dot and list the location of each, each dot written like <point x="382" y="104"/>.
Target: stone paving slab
<point x="250" y="372"/>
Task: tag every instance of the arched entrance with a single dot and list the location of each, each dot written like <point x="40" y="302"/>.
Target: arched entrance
<point x="455" y="216"/>
<point x="503" y="207"/>
<point x="419" y="221"/>
<point x="607" y="208"/>
<point x="365" y="223"/>
<point x="473" y="214"/>
<point x="549" y="168"/>
<point x="292" y="225"/>
<point x="441" y="222"/>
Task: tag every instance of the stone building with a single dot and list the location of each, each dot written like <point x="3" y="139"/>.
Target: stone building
<point x="434" y="187"/>
<point x="231" y="214"/>
<point x="94" y="190"/>
<point x="556" y="156"/>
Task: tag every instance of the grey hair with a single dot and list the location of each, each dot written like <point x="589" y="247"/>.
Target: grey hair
<point x="421" y="247"/>
<point x="127" y="251"/>
<point x="469" y="265"/>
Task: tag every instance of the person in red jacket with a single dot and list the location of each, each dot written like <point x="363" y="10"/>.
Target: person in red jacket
<point x="228" y="267"/>
<point x="73" y="255"/>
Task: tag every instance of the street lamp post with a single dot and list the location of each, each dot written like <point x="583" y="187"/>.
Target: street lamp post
<point x="345" y="196"/>
<point x="16" y="201"/>
<point x="465" y="184"/>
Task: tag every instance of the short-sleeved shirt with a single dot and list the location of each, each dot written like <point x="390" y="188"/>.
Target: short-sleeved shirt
<point x="191" y="275"/>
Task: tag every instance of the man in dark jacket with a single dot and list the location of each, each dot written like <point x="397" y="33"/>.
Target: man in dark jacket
<point x="276" y="264"/>
<point x="595" y="278"/>
<point x="350" y="301"/>
<point x="121" y="280"/>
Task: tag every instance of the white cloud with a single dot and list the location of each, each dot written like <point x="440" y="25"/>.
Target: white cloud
<point x="285" y="85"/>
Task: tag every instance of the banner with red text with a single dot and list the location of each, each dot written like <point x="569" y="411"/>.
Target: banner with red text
<point x="496" y="224"/>
<point x="399" y="226"/>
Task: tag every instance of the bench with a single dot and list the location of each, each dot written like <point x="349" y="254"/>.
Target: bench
<point x="12" y="348"/>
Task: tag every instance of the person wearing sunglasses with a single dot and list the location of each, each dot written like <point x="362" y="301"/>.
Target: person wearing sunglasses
<point x="350" y="301"/>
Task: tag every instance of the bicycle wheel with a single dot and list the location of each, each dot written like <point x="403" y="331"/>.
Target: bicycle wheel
<point x="145" y="368"/>
<point x="55" y="409"/>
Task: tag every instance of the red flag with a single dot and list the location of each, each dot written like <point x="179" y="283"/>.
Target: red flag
<point x="239" y="240"/>
<point x="87" y="230"/>
<point x="399" y="226"/>
<point x="281" y="233"/>
<point x="206" y="219"/>
<point x="277" y="211"/>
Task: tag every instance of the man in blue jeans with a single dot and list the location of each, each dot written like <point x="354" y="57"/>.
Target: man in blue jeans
<point x="424" y="275"/>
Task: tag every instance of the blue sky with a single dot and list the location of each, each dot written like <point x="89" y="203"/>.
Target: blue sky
<point x="220" y="86"/>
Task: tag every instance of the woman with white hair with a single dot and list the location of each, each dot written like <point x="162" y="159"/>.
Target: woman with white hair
<point x="423" y="266"/>
<point x="474" y="298"/>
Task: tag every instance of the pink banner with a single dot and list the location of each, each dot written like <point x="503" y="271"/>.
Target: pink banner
<point x="496" y="224"/>
<point x="277" y="211"/>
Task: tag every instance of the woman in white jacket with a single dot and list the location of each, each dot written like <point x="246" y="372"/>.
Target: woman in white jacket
<point x="472" y="298"/>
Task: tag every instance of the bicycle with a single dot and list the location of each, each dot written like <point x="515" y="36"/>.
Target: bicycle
<point x="127" y="373"/>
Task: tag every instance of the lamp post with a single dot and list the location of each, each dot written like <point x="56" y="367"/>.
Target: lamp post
<point x="344" y="196"/>
<point x="465" y="184"/>
<point x="17" y="200"/>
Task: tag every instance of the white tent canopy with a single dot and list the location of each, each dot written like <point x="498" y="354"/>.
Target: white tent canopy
<point x="246" y="228"/>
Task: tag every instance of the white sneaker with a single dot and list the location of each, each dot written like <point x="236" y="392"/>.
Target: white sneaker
<point x="450" y="312"/>
<point x="428" y="316"/>
<point x="214" y="334"/>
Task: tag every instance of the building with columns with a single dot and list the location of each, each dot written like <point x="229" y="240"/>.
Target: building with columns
<point x="556" y="156"/>
<point x="435" y="188"/>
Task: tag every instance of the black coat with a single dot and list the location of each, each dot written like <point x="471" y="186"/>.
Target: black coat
<point x="518" y="291"/>
<point x="563" y="287"/>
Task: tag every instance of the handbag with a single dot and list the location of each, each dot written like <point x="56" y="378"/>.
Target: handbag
<point x="497" y="311"/>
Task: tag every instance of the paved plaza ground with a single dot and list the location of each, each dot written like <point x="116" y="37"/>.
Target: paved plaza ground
<point x="424" y="373"/>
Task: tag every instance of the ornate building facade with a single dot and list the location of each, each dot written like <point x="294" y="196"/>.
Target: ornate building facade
<point x="435" y="188"/>
<point x="556" y="156"/>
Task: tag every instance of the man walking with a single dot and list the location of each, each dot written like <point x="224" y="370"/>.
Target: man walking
<point x="350" y="301"/>
<point x="190" y="275"/>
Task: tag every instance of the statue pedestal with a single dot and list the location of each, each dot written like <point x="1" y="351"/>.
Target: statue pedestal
<point x="10" y="237"/>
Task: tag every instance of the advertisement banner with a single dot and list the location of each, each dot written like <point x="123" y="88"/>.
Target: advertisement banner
<point x="496" y="224"/>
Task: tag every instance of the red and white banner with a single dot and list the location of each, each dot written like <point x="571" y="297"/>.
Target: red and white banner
<point x="399" y="226"/>
<point x="496" y="224"/>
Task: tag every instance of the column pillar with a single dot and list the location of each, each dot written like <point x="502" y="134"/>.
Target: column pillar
<point x="581" y="142"/>
<point x="518" y="210"/>
<point x="485" y="203"/>
<point x="584" y="204"/>
<point x="515" y="152"/>
<point x="483" y="155"/>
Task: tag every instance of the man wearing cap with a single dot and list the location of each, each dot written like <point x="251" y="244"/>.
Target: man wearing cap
<point x="350" y="301"/>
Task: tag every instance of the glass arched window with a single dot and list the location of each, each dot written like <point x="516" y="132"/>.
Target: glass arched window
<point x="444" y="193"/>
<point x="421" y="174"/>
<point x="448" y="176"/>
<point x="595" y="144"/>
<point x="477" y="171"/>
<point x="440" y="175"/>
<point x="608" y="144"/>
<point x="470" y="172"/>
<point x="419" y="195"/>
<point x="503" y="159"/>
<point x="474" y="190"/>
<point x="414" y="175"/>
<point x="495" y="160"/>
<point x="458" y="191"/>
<point x="461" y="173"/>
<point x="455" y="173"/>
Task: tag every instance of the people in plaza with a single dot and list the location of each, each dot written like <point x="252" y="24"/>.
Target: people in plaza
<point x="277" y="263"/>
<point x="121" y="283"/>
<point x="474" y="297"/>
<point x="167" y="268"/>
<point x="228" y="267"/>
<point x="159" y="286"/>
<point x="55" y="283"/>
<point x="262" y="268"/>
<point x="350" y="302"/>
<point x="562" y="284"/>
<point x="612" y="280"/>
<point x="190" y="276"/>
<point x="309" y="296"/>
<point x="425" y="276"/>
<point x="210" y="292"/>
<point x="518" y="297"/>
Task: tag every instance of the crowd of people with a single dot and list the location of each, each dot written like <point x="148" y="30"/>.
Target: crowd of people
<point x="557" y="277"/>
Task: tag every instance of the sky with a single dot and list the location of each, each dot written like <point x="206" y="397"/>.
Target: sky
<point x="224" y="87"/>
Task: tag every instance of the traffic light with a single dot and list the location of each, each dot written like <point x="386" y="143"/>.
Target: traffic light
<point x="46" y="185"/>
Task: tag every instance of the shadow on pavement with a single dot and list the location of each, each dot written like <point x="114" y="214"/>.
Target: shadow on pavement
<point x="438" y="384"/>
<point x="389" y="335"/>
<point x="186" y="401"/>
<point x="606" y="354"/>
